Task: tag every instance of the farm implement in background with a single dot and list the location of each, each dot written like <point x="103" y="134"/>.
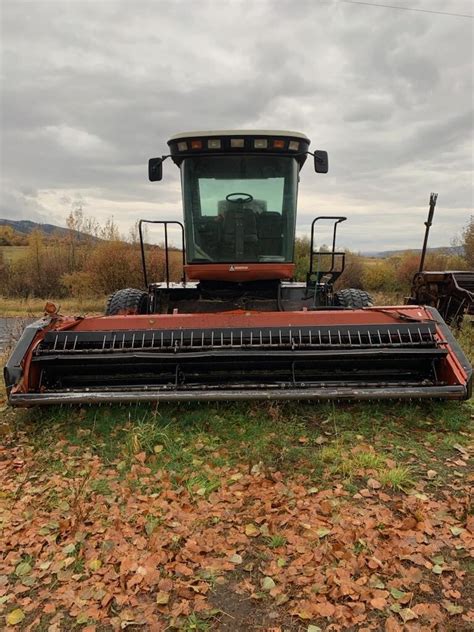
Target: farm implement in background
<point x="450" y="291"/>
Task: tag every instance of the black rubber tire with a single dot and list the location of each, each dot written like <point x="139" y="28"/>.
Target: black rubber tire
<point x="352" y="298"/>
<point x="127" y="301"/>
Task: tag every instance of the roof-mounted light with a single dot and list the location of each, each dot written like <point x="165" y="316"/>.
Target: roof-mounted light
<point x="237" y="143"/>
<point x="214" y="143"/>
<point x="183" y="146"/>
<point x="279" y="144"/>
<point x="260" y="143"/>
<point x="196" y="144"/>
<point x="293" y="145"/>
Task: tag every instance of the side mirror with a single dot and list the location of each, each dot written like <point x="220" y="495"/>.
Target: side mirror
<point x="155" y="169"/>
<point x="321" y="161"/>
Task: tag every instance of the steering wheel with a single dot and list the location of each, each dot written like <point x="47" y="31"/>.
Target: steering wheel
<point x="240" y="200"/>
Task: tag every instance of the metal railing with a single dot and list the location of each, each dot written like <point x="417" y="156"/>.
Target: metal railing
<point x="165" y="223"/>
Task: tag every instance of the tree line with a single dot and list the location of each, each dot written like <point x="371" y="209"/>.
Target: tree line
<point x="90" y="260"/>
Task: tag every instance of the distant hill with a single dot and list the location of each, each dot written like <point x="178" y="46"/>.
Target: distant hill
<point x="25" y="227"/>
<point x="384" y="254"/>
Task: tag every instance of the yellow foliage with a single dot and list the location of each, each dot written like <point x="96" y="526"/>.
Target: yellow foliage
<point x="380" y="276"/>
<point x="468" y="242"/>
<point x="91" y="260"/>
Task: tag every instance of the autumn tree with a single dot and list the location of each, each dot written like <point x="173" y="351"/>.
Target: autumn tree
<point x="353" y="275"/>
<point x="74" y="222"/>
<point x="7" y="236"/>
<point x="468" y="242"/>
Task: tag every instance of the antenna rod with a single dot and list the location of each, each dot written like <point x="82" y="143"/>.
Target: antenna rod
<point x="428" y="223"/>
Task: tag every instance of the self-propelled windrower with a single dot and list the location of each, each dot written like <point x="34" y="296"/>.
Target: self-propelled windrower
<point x="238" y="326"/>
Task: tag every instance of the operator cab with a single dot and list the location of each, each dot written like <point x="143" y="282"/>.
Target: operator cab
<point x="239" y="197"/>
<point x="239" y="208"/>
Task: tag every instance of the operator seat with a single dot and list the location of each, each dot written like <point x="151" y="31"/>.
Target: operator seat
<point x="239" y="234"/>
<point x="270" y="234"/>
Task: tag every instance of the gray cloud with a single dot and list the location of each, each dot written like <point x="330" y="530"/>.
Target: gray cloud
<point x="92" y="89"/>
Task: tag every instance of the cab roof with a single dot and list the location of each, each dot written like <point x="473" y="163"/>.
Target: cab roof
<point x="240" y="132"/>
<point x="235" y="142"/>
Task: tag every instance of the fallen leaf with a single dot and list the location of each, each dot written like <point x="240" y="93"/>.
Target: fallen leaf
<point x="452" y="608"/>
<point x="22" y="569"/>
<point x="325" y="507"/>
<point x="314" y="628"/>
<point x="267" y="584"/>
<point x="392" y="625"/>
<point x="325" y="609"/>
<point x="456" y="530"/>
<point x="460" y="449"/>
<point x="397" y="594"/>
<point x="407" y="614"/>
<point x="437" y="569"/>
<point x="303" y="614"/>
<point x="378" y="603"/>
<point x="376" y="582"/>
<point x="431" y="474"/>
<point x="323" y="532"/>
<point x="408" y="523"/>
<point x="15" y="616"/>
<point x="236" y="559"/>
<point x="374" y="483"/>
<point x="183" y="569"/>
<point x="162" y="598"/>
<point x="94" y="565"/>
<point x="251" y="530"/>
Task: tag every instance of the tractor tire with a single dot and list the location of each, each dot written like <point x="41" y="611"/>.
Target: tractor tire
<point x="127" y="301"/>
<point x="352" y="298"/>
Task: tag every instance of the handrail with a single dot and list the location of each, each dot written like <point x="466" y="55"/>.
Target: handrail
<point x="142" y="247"/>
<point x="338" y="219"/>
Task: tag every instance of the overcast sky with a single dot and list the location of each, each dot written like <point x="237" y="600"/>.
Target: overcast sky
<point x="92" y="89"/>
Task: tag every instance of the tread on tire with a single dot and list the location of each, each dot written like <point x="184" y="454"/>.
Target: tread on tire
<point x="127" y="301"/>
<point x="352" y="298"/>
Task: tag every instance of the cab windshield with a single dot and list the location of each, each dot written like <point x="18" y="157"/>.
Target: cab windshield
<point x="239" y="208"/>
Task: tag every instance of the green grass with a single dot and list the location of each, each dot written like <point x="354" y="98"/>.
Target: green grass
<point x="201" y="485"/>
<point x="466" y="338"/>
<point x="276" y="541"/>
<point x="195" y="623"/>
<point x="323" y="442"/>
<point x="398" y="478"/>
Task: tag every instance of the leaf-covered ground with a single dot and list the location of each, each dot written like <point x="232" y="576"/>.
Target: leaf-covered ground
<point x="237" y="518"/>
<point x="252" y="517"/>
